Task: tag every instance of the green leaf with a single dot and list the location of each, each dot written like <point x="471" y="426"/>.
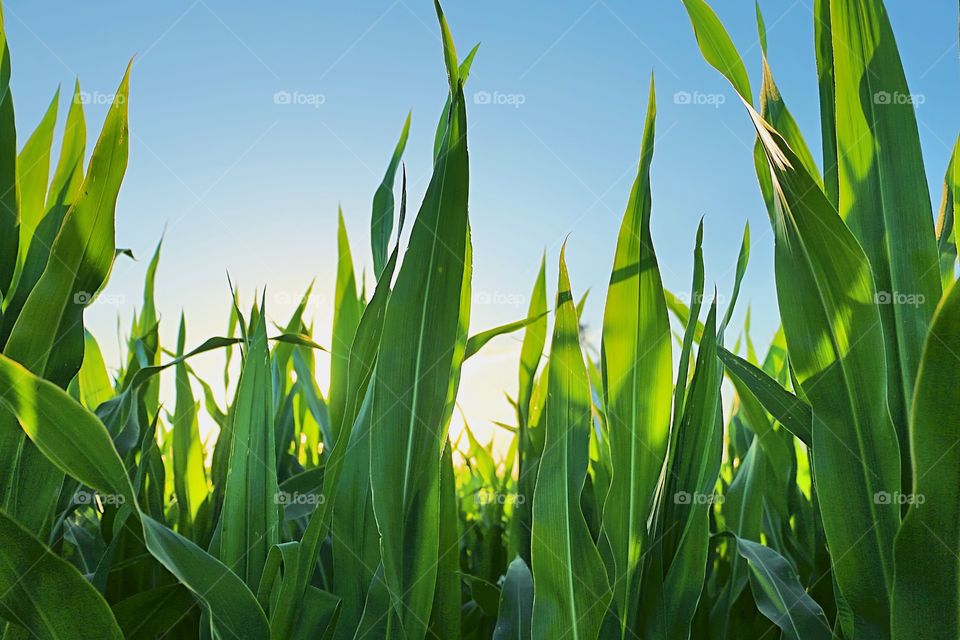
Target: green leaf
<point x="780" y="596"/>
<point x="463" y="73"/>
<point x="531" y="352"/>
<point x="790" y="411"/>
<point x="354" y="535"/>
<point x="153" y="613"/>
<point x="9" y="205"/>
<point x="363" y="355"/>
<point x="823" y="44"/>
<point x="381" y="222"/>
<point x="77" y="443"/>
<point x="947" y="220"/>
<point x="926" y="589"/>
<point x="64" y="189"/>
<point x="478" y="341"/>
<point x="412" y="383"/>
<point x="249" y="523"/>
<point x="445" y="616"/>
<point x="234" y="610"/>
<point x="319" y="617"/>
<point x="677" y="564"/>
<point x="33" y="169"/>
<point x="189" y="476"/>
<point x="45" y="594"/>
<point x="717" y="47"/>
<point x="348" y="309"/>
<point x="93" y="380"/>
<point x="572" y="592"/>
<point x="637" y="370"/>
<point x="832" y="327"/>
<point x="516" y="603"/>
<point x="81" y="258"/>
<point x="884" y="197"/>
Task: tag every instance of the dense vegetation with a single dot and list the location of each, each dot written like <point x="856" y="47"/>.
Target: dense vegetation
<point x="822" y="504"/>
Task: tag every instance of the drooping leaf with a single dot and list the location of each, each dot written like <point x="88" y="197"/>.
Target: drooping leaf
<point x="780" y="596"/>
<point x="832" y="326"/>
<point x="884" y="197"/>
<point x="45" y="594"/>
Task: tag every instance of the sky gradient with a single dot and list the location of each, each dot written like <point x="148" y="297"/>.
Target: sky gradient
<point x="251" y="122"/>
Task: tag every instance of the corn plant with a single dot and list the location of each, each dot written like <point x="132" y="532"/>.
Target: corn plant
<point x="631" y="503"/>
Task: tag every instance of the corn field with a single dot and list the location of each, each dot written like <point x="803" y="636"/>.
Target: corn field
<point x="822" y="502"/>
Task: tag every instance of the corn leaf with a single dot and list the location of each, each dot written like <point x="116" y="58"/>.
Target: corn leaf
<point x="45" y="594"/>
<point x="416" y="362"/>
<point x="832" y="327"/>
<point x="9" y="205"/>
<point x="381" y="221"/>
<point x="516" y="603"/>
<point x="884" y="197"/>
<point x="780" y="596"/>
<point x="926" y="588"/>
<point x="33" y="173"/>
<point x="572" y="592"/>
<point x="249" y="524"/>
<point x="790" y="411"/>
<point x="636" y="373"/>
<point x="346" y="318"/>
<point x="189" y="476"/>
<point x="78" y="444"/>
<point x="81" y="258"/>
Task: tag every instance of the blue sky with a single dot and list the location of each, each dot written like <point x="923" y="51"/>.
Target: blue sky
<point x="249" y="186"/>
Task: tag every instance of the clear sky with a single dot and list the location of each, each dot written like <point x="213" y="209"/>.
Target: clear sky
<point x="249" y="186"/>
